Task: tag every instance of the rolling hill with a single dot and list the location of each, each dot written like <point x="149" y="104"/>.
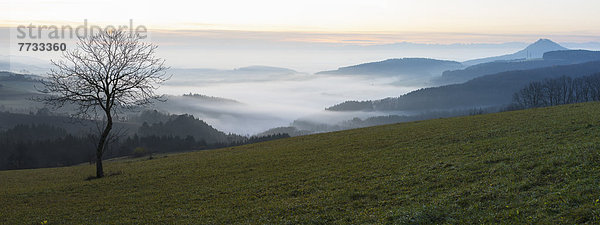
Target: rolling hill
<point x="486" y="91"/>
<point x="24" y="64"/>
<point x="17" y="90"/>
<point x="405" y="67"/>
<point x="553" y="58"/>
<point x="533" y="51"/>
<point x="539" y="166"/>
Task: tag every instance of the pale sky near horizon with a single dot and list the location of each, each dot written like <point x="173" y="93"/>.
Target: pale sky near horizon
<point x="304" y="35"/>
<point x="574" y="20"/>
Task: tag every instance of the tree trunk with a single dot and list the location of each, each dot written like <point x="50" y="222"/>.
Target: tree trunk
<point x="101" y="144"/>
<point x="99" y="169"/>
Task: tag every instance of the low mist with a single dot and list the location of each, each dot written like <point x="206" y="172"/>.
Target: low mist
<point x="264" y="100"/>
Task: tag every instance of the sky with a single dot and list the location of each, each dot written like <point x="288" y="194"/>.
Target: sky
<point x="415" y="21"/>
<point x="314" y="35"/>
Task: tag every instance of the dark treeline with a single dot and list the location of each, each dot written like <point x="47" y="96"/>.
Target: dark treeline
<point x="170" y="143"/>
<point x="256" y="139"/>
<point x="184" y="125"/>
<point x="42" y="145"/>
<point x="162" y="144"/>
<point x="558" y="91"/>
<point x="34" y="146"/>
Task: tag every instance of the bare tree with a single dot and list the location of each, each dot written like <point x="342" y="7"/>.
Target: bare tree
<point x="106" y="72"/>
<point x="558" y="91"/>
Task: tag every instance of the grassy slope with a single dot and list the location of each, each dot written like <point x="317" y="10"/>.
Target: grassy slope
<point x="533" y="166"/>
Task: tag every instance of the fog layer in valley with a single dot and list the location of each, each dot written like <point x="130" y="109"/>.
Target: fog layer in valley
<point x="270" y="97"/>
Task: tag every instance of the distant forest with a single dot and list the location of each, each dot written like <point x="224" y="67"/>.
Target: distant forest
<point x="486" y="91"/>
<point x="558" y="91"/>
<point x="40" y="145"/>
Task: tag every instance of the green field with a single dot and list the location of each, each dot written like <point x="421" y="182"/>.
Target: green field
<point x="522" y="167"/>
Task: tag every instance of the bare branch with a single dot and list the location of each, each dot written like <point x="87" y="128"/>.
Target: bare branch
<point x="107" y="71"/>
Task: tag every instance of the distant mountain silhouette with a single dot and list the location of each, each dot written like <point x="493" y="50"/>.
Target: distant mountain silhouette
<point x="405" y="67"/>
<point x="265" y="69"/>
<point x="248" y="70"/>
<point x="196" y="103"/>
<point x="533" y="51"/>
<point x="206" y="99"/>
<point x="24" y="65"/>
<point x="553" y="58"/>
<point x="573" y="56"/>
<point x="486" y="91"/>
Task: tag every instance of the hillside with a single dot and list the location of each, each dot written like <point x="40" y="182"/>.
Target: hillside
<point x="533" y="51"/>
<point x="486" y="91"/>
<point x="16" y="90"/>
<point x="554" y="58"/>
<point x="188" y="125"/>
<point x="44" y="140"/>
<point x="399" y="67"/>
<point x="539" y="166"/>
